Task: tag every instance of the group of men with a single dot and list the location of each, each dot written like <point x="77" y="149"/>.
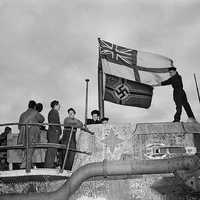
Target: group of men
<point x="54" y="132"/>
<point x="56" y="135"/>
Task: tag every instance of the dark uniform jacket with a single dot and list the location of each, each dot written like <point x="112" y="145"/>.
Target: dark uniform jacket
<point x="53" y="131"/>
<point x="175" y="81"/>
<point x="91" y="121"/>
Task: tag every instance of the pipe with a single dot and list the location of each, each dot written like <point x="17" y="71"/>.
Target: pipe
<point x="114" y="168"/>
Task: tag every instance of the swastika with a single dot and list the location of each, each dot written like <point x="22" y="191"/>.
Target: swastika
<point x="122" y="91"/>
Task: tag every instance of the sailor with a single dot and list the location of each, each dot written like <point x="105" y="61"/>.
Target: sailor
<point x="53" y="133"/>
<point x="3" y="154"/>
<point x="3" y="136"/>
<point x="31" y="115"/>
<point x="70" y="122"/>
<point x="179" y="95"/>
<point x="95" y="118"/>
<point x="39" y="108"/>
<point x="104" y="120"/>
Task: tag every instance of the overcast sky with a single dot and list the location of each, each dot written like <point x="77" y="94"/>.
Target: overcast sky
<point x="49" y="47"/>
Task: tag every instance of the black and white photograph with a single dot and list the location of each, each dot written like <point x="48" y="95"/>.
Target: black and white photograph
<point x="100" y="100"/>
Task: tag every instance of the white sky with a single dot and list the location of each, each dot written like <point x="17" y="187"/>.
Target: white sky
<point x="48" y="48"/>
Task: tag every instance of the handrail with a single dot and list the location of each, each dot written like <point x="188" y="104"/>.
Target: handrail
<point x="42" y="146"/>
<point x="85" y="129"/>
<point x="34" y="124"/>
<point x="27" y="146"/>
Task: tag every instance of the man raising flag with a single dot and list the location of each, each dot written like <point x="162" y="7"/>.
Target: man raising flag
<point x="126" y="76"/>
<point x="179" y="95"/>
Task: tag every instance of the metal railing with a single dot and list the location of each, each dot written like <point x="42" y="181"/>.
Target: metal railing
<point x="27" y="146"/>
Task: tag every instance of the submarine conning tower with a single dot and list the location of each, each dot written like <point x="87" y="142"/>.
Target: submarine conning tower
<point x="138" y="142"/>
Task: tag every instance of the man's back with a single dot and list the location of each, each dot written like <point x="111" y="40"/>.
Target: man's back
<point x="26" y="117"/>
<point x="53" y="117"/>
<point x="31" y="116"/>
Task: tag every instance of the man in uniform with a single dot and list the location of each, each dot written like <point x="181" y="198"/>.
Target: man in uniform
<point x="95" y="118"/>
<point x="3" y="154"/>
<point x="104" y="120"/>
<point x="179" y="94"/>
<point x="70" y="122"/>
<point x="53" y="133"/>
<point x="39" y="108"/>
<point x="31" y="115"/>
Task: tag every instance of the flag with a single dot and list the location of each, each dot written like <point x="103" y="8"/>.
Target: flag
<point x="143" y="67"/>
<point x="126" y="92"/>
<point x="129" y="74"/>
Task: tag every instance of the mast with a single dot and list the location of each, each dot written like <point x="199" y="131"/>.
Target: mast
<point x="197" y="87"/>
<point x="100" y="85"/>
<point x="86" y="100"/>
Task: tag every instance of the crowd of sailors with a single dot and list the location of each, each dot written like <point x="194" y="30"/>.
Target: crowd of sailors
<point x="54" y="157"/>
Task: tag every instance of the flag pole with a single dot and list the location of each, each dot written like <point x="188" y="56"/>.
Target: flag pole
<point x="86" y="101"/>
<point x="100" y="85"/>
<point x="197" y="88"/>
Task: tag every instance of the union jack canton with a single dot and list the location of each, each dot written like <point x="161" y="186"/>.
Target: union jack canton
<point x="117" y="54"/>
